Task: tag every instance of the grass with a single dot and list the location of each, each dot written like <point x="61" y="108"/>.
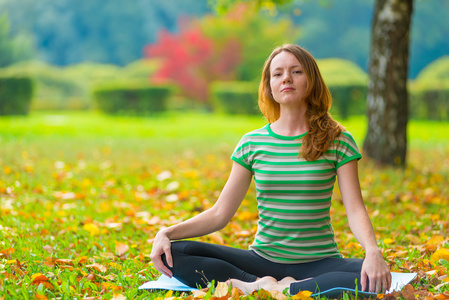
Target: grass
<point x="82" y="195"/>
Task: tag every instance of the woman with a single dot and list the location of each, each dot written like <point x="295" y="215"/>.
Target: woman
<point x="294" y="160"/>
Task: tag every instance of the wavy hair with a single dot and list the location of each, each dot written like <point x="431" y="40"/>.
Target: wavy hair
<point x="323" y="129"/>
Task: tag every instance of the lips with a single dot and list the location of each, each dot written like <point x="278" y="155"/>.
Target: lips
<point x="287" y="89"/>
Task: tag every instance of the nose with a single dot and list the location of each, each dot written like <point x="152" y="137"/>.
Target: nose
<point x="287" y="77"/>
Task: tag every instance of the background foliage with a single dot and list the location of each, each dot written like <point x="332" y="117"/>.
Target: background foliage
<point x="64" y="32"/>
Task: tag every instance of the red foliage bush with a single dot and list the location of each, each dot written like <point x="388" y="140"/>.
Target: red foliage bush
<point x="193" y="60"/>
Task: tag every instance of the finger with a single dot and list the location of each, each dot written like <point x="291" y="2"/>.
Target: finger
<point x="387" y="282"/>
<point x="160" y="266"/>
<point x="168" y="258"/>
<point x="372" y="285"/>
<point x="363" y="278"/>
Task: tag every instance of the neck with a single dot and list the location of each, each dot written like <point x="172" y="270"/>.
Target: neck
<point x="291" y="122"/>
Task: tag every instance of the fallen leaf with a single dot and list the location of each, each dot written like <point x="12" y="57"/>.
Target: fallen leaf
<point x="121" y="248"/>
<point x="98" y="267"/>
<point x="277" y="295"/>
<point x="303" y="295"/>
<point x="66" y="262"/>
<point x="199" y="294"/>
<point x="236" y="293"/>
<point x="217" y="238"/>
<point x="118" y="297"/>
<point x="408" y="292"/>
<point x="441" y="253"/>
<point x="92" y="229"/>
<point x="221" y="290"/>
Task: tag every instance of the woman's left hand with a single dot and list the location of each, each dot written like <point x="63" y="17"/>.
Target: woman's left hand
<point x="376" y="270"/>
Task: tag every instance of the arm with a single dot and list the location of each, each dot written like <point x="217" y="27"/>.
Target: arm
<point x="211" y="220"/>
<point x="374" y="266"/>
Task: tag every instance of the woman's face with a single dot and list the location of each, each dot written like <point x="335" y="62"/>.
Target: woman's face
<point x="288" y="81"/>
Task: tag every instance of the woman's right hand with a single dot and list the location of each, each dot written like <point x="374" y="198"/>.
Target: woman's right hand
<point x="162" y="245"/>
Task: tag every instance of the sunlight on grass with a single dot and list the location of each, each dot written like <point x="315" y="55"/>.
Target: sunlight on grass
<point x="83" y="194"/>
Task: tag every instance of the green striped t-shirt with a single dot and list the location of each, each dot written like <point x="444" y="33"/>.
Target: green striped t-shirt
<point x="293" y="195"/>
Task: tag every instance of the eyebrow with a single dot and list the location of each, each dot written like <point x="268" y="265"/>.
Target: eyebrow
<point x="292" y="67"/>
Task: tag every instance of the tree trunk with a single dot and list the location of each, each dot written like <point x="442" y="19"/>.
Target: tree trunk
<point x="387" y="102"/>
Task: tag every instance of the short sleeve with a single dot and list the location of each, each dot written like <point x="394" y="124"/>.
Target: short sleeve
<point x="241" y="154"/>
<point x="346" y="149"/>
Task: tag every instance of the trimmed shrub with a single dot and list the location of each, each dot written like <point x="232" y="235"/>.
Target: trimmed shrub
<point x="15" y="95"/>
<point x="53" y="89"/>
<point x="429" y="93"/>
<point x="348" y="100"/>
<point x="131" y="98"/>
<point x="348" y="85"/>
<point x="235" y="97"/>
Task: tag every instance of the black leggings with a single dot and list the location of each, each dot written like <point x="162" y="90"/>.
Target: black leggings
<point x="196" y="263"/>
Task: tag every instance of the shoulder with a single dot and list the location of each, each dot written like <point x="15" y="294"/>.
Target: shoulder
<point x="252" y="135"/>
<point x="346" y="137"/>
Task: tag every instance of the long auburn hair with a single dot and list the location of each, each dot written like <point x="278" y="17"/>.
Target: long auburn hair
<point x="323" y="129"/>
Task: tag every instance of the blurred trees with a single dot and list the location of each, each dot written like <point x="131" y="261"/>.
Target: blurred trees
<point x="11" y="49"/>
<point x="65" y="32"/>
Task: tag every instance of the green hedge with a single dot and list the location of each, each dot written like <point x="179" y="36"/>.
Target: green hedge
<point x="15" y="95"/>
<point x="348" y="100"/>
<point x="348" y="85"/>
<point x="429" y="93"/>
<point x="429" y="102"/>
<point x="235" y="97"/>
<point x="132" y="98"/>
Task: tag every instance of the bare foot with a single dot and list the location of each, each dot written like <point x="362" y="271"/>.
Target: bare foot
<point x="248" y="287"/>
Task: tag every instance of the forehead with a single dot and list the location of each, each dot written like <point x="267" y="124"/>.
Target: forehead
<point x="284" y="60"/>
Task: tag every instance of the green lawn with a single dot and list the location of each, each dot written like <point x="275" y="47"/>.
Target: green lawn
<point x="83" y="194"/>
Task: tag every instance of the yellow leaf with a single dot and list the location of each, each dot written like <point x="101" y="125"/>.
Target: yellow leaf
<point x="7" y="170"/>
<point x="435" y="240"/>
<point x="303" y="295"/>
<point x="169" y="294"/>
<point x="388" y="241"/>
<point x="221" y="290"/>
<point x="92" y="229"/>
<point x="441" y="253"/>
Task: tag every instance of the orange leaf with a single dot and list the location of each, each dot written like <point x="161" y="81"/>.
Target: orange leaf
<point x="40" y="297"/>
<point x="408" y="292"/>
<point x="67" y="262"/>
<point x="38" y="277"/>
<point x="236" y="293"/>
<point x="217" y="238"/>
<point x="121" y="248"/>
<point x="98" y="267"/>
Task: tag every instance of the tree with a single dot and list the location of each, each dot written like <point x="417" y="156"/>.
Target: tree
<point x="12" y="49"/>
<point x="386" y="138"/>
